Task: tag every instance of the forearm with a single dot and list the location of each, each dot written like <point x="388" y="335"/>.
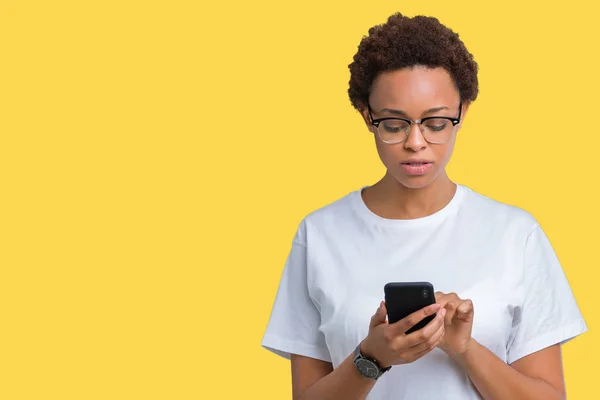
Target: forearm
<point x="344" y="382"/>
<point x="496" y="380"/>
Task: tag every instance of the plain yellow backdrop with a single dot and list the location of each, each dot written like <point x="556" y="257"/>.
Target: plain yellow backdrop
<point x="157" y="156"/>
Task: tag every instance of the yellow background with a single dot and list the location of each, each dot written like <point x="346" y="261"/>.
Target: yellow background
<point x="156" y="158"/>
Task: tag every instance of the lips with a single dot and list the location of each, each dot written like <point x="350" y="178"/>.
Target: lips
<point x="416" y="167"/>
<point x="416" y="162"/>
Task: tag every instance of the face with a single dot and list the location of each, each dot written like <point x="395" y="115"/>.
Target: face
<point x="413" y="94"/>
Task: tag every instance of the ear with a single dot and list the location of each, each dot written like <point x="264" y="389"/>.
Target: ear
<point x="463" y="113"/>
<point x="365" y="116"/>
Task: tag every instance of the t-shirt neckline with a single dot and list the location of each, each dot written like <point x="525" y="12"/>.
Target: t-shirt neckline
<point x="437" y="216"/>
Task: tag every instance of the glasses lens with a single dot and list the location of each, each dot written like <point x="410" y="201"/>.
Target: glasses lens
<point x="437" y="130"/>
<point x="393" y="130"/>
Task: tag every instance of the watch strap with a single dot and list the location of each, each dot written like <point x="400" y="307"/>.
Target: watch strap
<point x="358" y="355"/>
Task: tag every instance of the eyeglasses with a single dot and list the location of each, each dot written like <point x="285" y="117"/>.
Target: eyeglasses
<point x="435" y="130"/>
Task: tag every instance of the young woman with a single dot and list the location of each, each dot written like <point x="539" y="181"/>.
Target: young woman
<point x="503" y="305"/>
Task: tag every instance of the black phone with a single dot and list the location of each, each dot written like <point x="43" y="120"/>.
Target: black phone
<point x="404" y="298"/>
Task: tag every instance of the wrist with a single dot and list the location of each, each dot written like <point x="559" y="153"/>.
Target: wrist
<point x="366" y="351"/>
<point x="466" y="355"/>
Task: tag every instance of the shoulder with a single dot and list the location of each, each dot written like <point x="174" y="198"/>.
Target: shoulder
<point x="333" y="216"/>
<point x="495" y="213"/>
<point x="338" y="209"/>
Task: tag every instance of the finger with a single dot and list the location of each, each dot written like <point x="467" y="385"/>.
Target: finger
<point x="450" y="308"/>
<point x="427" y="349"/>
<point x="444" y="298"/>
<point x="380" y="316"/>
<point x="430" y="342"/>
<point x="383" y="311"/>
<point x="422" y="335"/>
<point x="412" y="319"/>
<point x="465" y="311"/>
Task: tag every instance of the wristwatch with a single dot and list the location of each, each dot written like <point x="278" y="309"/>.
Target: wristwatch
<point x="367" y="366"/>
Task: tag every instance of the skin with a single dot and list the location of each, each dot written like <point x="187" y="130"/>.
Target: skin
<point x="400" y="196"/>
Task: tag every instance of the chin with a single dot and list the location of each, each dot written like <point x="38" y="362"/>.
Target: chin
<point x="415" y="182"/>
<point x="418" y="183"/>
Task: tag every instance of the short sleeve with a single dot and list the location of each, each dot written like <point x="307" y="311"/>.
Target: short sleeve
<point x="293" y="327"/>
<point x="549" y="313"/>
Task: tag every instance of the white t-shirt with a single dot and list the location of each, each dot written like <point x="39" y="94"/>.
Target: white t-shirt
<point x="492" y="253"/>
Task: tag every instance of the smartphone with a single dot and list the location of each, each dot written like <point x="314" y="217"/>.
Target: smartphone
<point x="404" y="298"/>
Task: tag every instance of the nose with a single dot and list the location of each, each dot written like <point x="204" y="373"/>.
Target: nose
<point x="415" y="140"/>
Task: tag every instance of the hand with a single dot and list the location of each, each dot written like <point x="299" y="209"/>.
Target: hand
<point x="458" y="322"/>
<point x="389" y="345"/>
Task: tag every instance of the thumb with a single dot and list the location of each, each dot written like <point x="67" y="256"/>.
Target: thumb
<point x="465" y="311"/>
<point x="380" y="316"/>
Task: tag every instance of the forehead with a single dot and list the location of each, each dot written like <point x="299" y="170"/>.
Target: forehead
<point x="418" y="86"/>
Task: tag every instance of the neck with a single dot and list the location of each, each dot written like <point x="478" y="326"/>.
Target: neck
<point x="390" y="199"/>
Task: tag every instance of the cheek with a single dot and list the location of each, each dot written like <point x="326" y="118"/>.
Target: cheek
<point x="387" y="153"/>
<point x="445" y="152"/>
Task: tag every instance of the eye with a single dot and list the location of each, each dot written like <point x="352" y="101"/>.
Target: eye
<point x="395" y="125"/>
<point x="436" y="124"/>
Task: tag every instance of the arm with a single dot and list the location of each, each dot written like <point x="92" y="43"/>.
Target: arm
<point x="316" y="379"/>
<point x="537" y="376"/>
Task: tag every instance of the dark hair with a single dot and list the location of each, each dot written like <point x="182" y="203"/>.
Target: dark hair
<point x="404" y="42"/>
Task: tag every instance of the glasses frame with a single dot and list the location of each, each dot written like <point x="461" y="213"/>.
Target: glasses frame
<point x="410" y="122"/>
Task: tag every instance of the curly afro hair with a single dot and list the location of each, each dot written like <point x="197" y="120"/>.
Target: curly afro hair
<point x="404" y="42"/>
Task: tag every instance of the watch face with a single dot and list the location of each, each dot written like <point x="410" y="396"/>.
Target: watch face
<point x="367" y="368"/>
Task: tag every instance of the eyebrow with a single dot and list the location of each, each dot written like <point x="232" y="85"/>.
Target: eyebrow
<point x="404" y="114"/>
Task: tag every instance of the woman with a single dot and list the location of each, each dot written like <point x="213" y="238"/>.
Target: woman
<point x="503" y="306"/>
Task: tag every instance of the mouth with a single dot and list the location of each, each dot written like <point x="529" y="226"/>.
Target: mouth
<point x="417" y="167"/>
<point x="417" y="164"/>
